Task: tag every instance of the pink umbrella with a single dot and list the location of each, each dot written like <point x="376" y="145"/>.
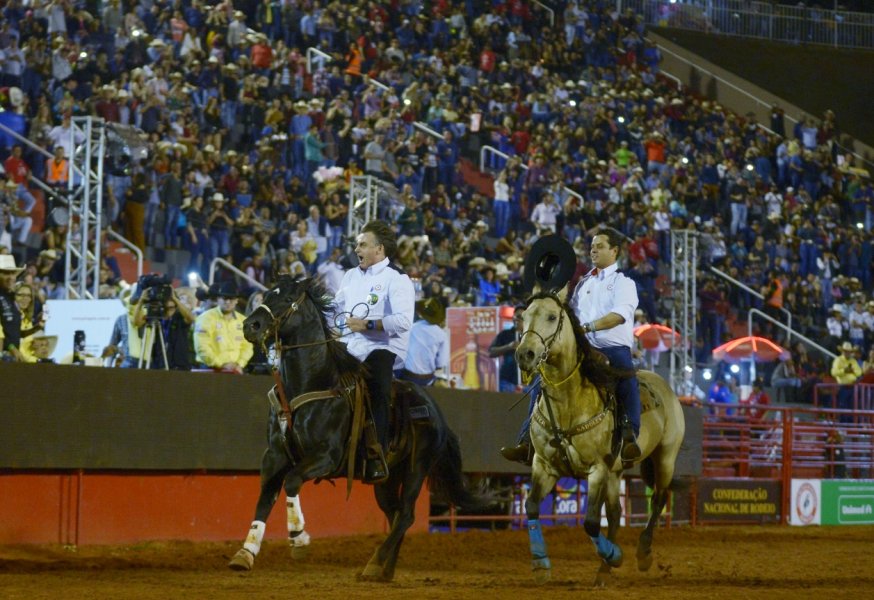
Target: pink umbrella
<point x="652" y="335"/>
<point x="759" y="348"/>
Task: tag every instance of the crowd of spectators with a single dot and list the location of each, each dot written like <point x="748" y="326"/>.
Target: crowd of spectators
<point x="250" y="154"/>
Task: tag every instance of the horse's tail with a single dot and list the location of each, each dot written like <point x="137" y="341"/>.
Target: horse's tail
<point x="647" y="473"/>
<point x="447" y="480"/>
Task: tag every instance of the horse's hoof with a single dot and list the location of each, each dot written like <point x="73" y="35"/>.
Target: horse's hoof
<point x="644" y="561"/>
<point x="602" y="578"/>
<point x="243" y="560"/>
<point x="373" y="572"/>
<point x="300" y="545"/>
<point x="542" y="576"/>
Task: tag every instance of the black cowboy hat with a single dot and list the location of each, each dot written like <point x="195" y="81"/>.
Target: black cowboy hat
<point x="431" y="310"/>
<point x="224" y="289"/>
<point x="551" y="263"/>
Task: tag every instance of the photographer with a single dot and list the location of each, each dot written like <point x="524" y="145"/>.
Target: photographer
<point x="158" y="306"/>
<point x="175" y="325"/>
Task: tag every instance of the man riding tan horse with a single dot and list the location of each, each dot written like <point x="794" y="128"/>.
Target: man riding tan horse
<point x="573" y="423"/>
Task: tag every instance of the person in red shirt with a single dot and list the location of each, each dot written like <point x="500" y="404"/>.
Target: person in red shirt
<point x="107" y="107"/>
<point x="262" y="54"/>
<point x="18" y="171"/>
<point x="487" y="60"/>
<point x="655" y="152"/>
<point x="758" y="397"/>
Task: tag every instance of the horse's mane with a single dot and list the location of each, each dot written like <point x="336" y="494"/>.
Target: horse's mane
<point x="595" y="366"/>
<point x="337" y="352"/>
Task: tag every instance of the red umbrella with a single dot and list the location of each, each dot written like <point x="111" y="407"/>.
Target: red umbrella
<point x="759" y="348"/>
<point x="652" y="335"/>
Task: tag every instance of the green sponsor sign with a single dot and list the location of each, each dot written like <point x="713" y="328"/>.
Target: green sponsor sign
<point x="847" y="502"/>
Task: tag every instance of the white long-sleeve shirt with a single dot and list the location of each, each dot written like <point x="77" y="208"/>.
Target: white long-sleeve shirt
<point x="379" y="293"/>
<point x="429" y="349"/>
<point x="600" y="293"/>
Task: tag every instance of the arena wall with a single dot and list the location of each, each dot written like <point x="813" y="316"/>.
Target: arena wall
<point x="93" y="456"/>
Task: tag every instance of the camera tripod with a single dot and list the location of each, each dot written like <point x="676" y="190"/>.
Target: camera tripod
<point x="153" y="331"/>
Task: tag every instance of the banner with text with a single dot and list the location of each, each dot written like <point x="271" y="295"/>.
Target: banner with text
<point x="94" y="317"/>
<point x="832" y="502"/>
<point x="738" y="500"/>
<point x="471" y="331"/>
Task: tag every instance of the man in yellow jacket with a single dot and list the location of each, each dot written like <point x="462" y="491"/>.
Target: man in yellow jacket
<point x="846" y="371"/>
<point x="218" y="334"/>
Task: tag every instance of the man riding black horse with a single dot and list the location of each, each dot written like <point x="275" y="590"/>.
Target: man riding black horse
<point x="378" y="301"/>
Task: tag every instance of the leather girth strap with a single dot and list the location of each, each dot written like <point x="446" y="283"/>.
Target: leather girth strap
<point x="350" y="388"/>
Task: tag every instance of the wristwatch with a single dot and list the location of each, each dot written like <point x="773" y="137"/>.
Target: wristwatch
<point x="371" y="325"/>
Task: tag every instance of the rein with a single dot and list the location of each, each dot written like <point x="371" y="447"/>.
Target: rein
<point x="347" y="388"/>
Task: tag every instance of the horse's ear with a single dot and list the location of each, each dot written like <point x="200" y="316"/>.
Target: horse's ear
<point x="537" y="289"/>
<point x="561" y="294"/>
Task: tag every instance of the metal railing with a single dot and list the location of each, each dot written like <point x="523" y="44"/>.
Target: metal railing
<point x="130" y="246"/>
<point x="220" y="262"/>
<point x="783" y="443"/>
<point x="759" y="102"/>
<point x="756" y="312"/>
<point x="486" y="150"/>
<point x="758" y="295"/>
<point x="314" y="55"/>
<point x="548" y="10"/>
<point x="863" y="395"/>
<point x="762" y="20"/>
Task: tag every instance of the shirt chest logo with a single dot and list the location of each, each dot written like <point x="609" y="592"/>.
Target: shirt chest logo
<point x="372" y="299"/>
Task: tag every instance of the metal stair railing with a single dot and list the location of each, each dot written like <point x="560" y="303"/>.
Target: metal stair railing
<point x="749" y="290"/>
<point x="220" y="262"/>
<point x="484" y="150"/>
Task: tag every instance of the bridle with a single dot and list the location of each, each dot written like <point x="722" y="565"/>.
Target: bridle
<point x="547" y="345"/>
<point x="276" y="324"/>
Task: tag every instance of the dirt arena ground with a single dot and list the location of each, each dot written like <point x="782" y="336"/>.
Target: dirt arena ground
<point x="733" y="563"/>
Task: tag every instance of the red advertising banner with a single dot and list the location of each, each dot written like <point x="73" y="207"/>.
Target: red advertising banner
<point x="471" y="331"/>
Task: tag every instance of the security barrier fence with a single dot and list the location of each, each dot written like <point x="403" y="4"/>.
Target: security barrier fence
<point x="752" y="458"/>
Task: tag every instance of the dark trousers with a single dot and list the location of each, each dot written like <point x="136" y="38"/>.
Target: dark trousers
<point x="628" y="391"/>
<point x="380" y="364"/>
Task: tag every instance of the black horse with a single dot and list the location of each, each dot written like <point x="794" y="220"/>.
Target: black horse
<point x="316" y="446"/>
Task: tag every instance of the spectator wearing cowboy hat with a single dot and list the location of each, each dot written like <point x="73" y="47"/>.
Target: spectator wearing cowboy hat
<point x="428" y="351"/>
<point x="42" y="347"/>
<point x="489" y="286"/>
<point x="220" y="224"/>
<point x="218" y="334"/>
<point x="846" y="371"/>
<point x="10" y="316"/>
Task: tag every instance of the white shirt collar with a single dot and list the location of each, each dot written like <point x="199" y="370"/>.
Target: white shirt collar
<point x="602" y="273"/>
<point x="376" y="268"/>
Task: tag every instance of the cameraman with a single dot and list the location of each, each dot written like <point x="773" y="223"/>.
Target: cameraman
<point x="159" y="304"/>
<point x="175" y="325"/>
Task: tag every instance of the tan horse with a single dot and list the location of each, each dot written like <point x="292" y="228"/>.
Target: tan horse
<point x="572" y="430"/>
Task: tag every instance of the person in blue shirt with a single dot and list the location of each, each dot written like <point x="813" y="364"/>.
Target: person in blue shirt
<point x="720" y="394"/>
<point x="489" y="287"/>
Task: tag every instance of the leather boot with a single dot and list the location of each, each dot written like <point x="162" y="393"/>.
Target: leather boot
<point x="520" y="453"/>
<point x="630" y="449"/>
<point x="375" y="469"/>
